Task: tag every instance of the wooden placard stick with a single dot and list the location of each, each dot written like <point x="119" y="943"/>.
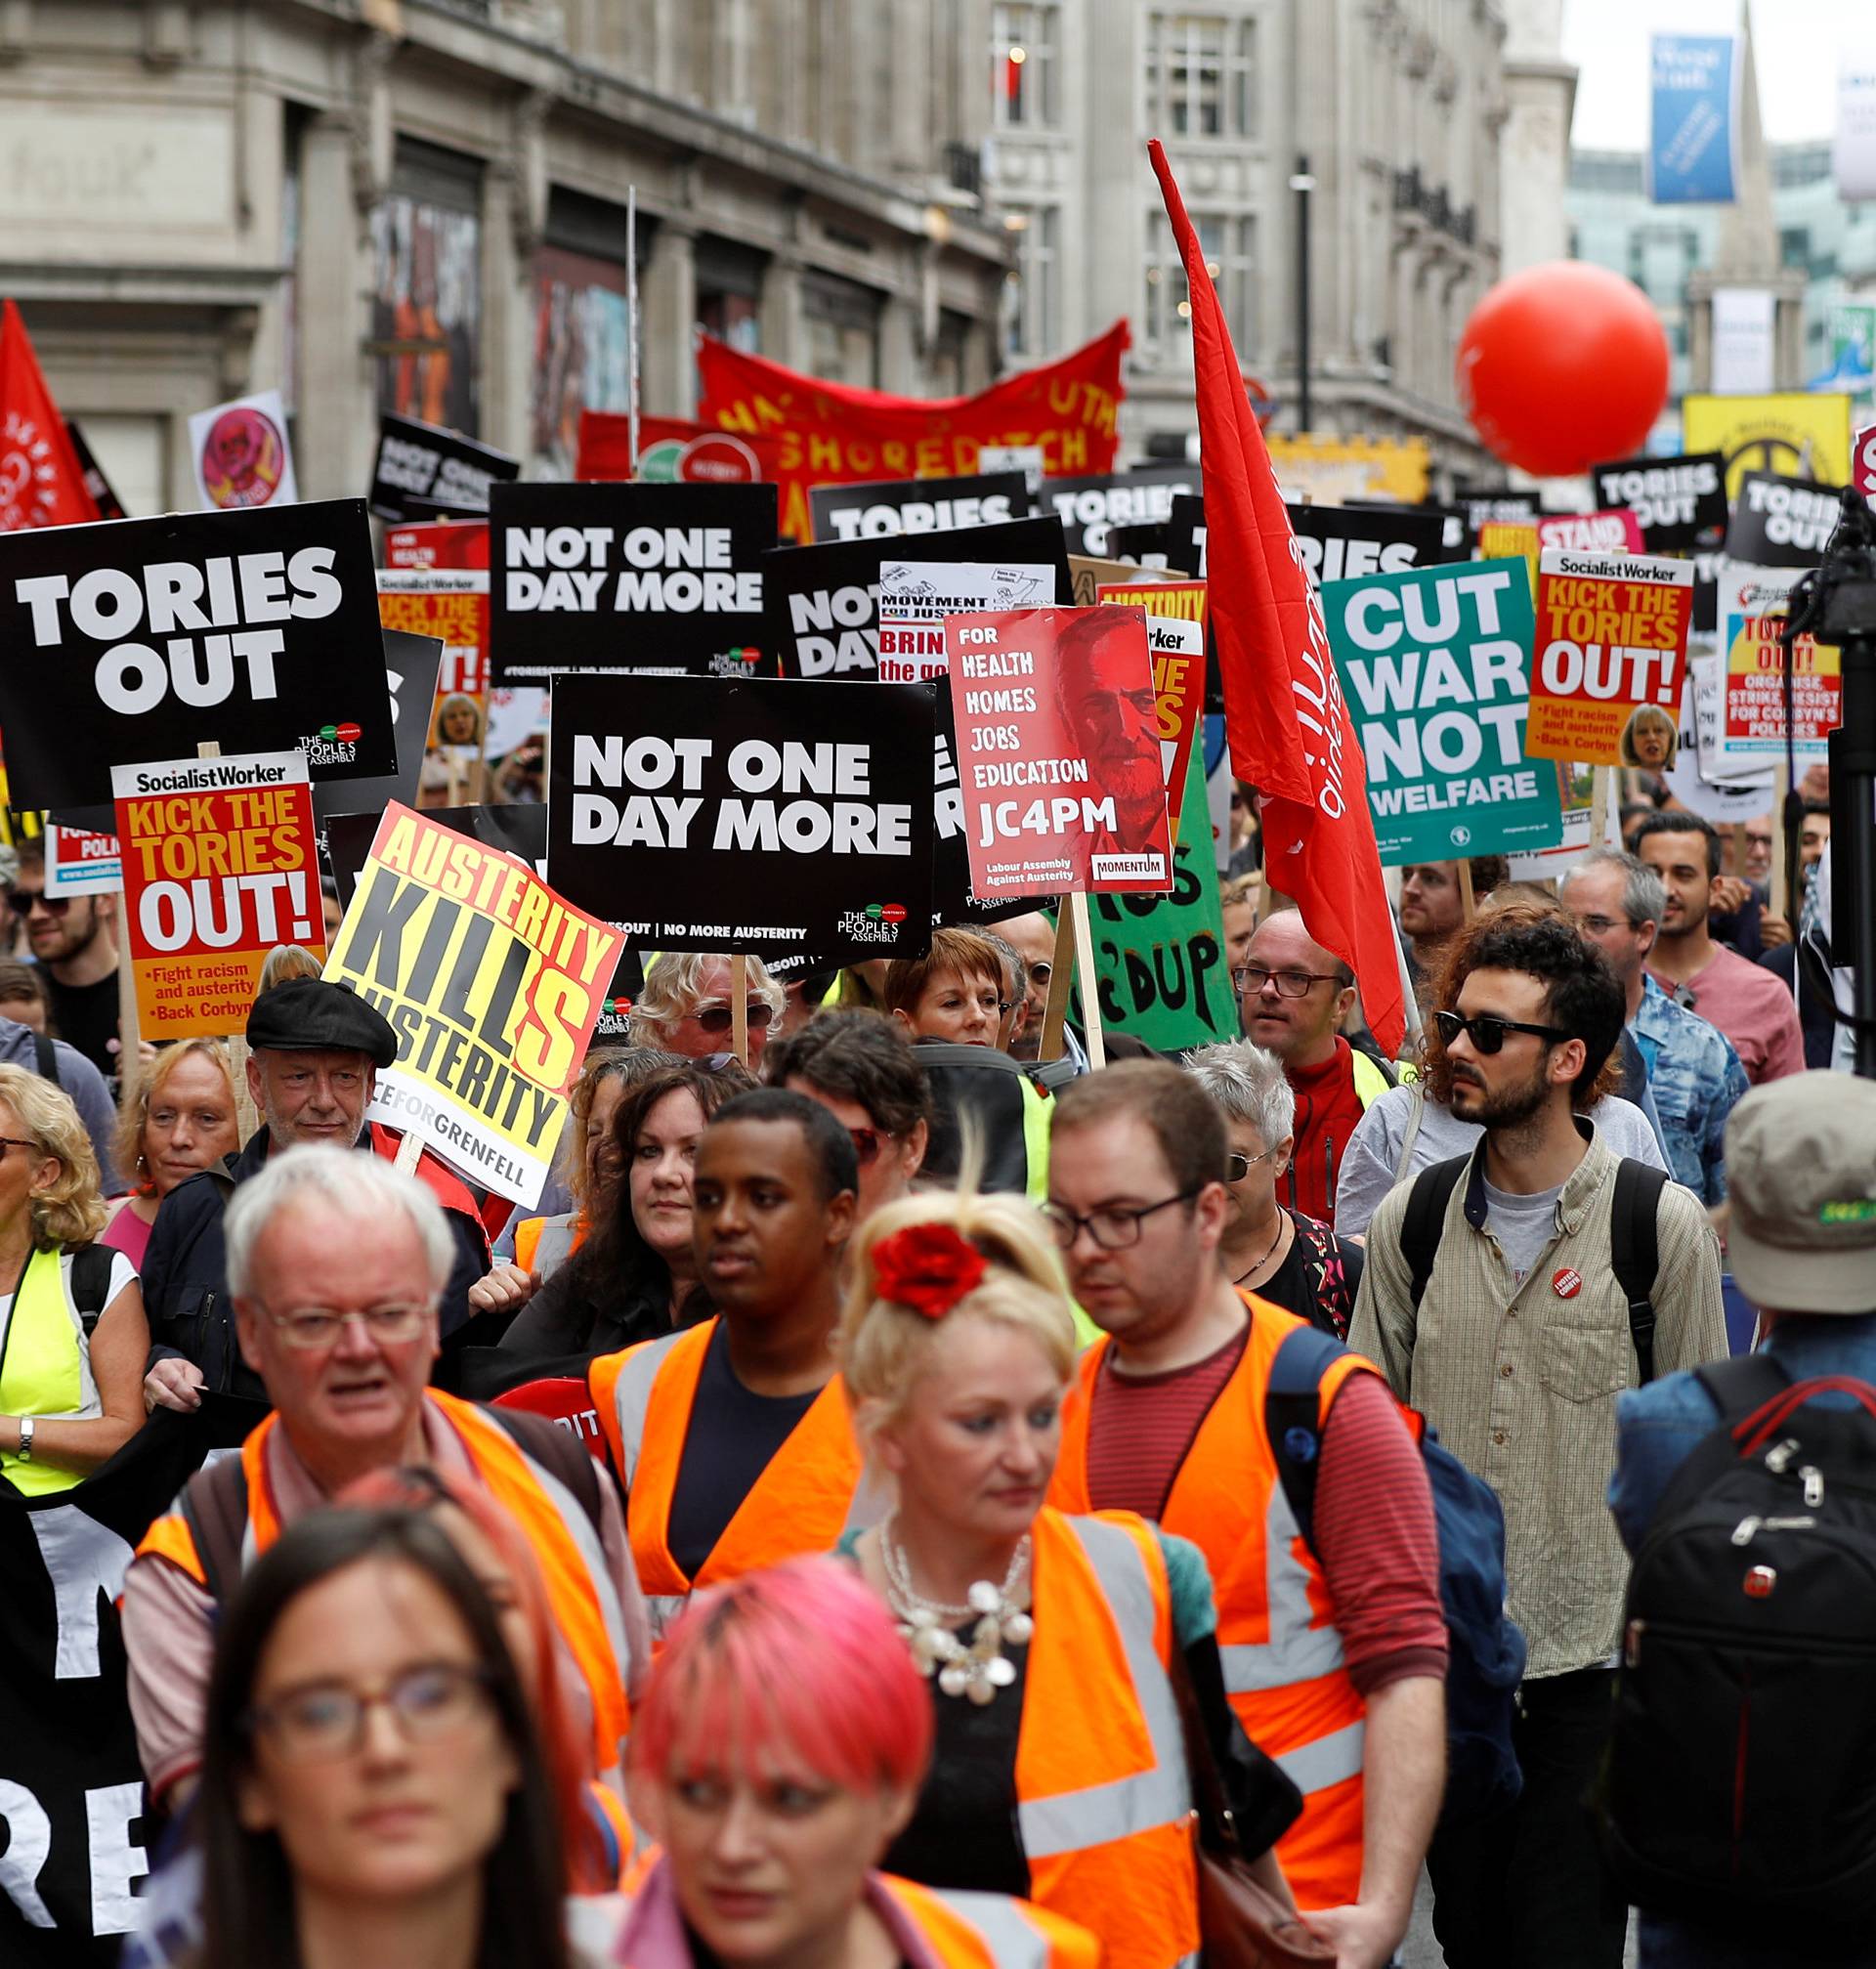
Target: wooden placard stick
<point x="1467" y="902"/>
<point x="1601" y="778"/>
<point x="1091" y="990"/>
<point x="1781" y="903"/>
<point x="740" y="1007"/>
<point x="1061" y="976"/>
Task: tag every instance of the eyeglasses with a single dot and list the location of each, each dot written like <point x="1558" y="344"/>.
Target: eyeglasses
<point x="1112" y="1230"/>
<point x="316" y="1326"/>
<point x="1040" y="975"/>
<point x="1602" y="925"/>
<point x="1253" y="978"/>
<point x="1487" y="1031"/>
<point x="8" y="1142"/>
<point x="327" y="1719"/>
<point x="716" y="1018"/>
<point x="1237" y="1167"/>
<point x="22" y="902"/>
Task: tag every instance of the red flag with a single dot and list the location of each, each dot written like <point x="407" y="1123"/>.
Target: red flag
<point x="41" y="480"/>
<point x="1289" y="728"/>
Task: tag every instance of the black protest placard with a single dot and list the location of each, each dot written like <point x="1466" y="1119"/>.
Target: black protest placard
<point x="895" y="506"/>
<point x="1677" y="503"/>
<point x="1485" y="503"/>
<point x="824" y="601"/>
<point x="1090" y="508"/>
<point x="410" y="665"/>
<point x="515" y="831"/>
<point x="1145" y="547"/>
<point x="1456" y="540"/>
<point x="615" y="577"/>
<point x="423" y="472"/>
<point x="1782" y="523"/>
<point x="141" y="639"/>
<point x="79" y="1830"/>
<point x="1186" y="528"/>
<point x="763" y="817"/>
<point x="1343" y="544"/>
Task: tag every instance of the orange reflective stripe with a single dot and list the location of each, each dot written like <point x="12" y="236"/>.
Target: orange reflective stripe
<point x="1103" y="1802"/>
<point x="653" y="1481"/>
<point x="990" y="1931"/>
<point x="526" y="1239"/>
<point x="602" y="1383"/>
<point x="263" y="1517"/>
<point x="571" y="1588"/>
<point x="170" y="1538"/>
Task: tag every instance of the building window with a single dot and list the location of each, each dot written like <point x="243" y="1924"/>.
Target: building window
<point x="1032" y="292"/>
<point x="581" y="354"/>
<point x="842" y="324"/>
<point x="426" y="314"/>
<point x="1023" y="83"/>
<point x="1201" y="75"/>
<point x="1229" y="245"/>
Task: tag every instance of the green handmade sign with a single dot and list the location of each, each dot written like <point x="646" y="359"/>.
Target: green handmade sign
<point x="1435" y="666"/>
<point x="1159" y="960"/>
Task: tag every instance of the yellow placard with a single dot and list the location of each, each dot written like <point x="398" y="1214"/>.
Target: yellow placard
<point x="1330" y="468"/>
<point x="1794" y="433"/>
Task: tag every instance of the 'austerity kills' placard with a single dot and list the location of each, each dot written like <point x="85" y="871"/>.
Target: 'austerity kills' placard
<point x="1612" y="640"/>
<point x="1435" y="668"/>
<point x="218" y="868"/>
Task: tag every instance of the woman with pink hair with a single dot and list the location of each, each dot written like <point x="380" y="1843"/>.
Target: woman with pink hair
<point x="780" y="1747"/>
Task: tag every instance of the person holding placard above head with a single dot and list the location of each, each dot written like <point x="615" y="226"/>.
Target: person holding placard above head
<point x="181" y="1121"/>
<point x="1055" y="1644"/>
<point x="1745" y="1001"/>
<point x="1292" y="996"/>
<point x="780" y="1746"/>
<point x="685" y="1005"/>
<point x="730" y="1439"/>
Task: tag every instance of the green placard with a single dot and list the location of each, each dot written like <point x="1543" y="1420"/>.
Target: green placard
<point x="1435" y="665"/>
<point x="1160" y="959"/>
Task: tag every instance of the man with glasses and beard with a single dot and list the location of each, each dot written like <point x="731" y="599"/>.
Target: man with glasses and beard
<point x="1515" y="1346"/>
<point x="75" y="942"/>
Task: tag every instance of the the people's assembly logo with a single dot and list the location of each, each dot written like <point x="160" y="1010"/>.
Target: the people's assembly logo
<point x="243" y="459"/>
<point x="331" y="746"/>
<point x="876" y="924"/>
<point x="29" y="475"/>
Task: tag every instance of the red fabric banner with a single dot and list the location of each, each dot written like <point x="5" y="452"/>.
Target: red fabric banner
<point x="832" y="434"/>
<point x="41" y="480"/>
<point x="1288" y="726"/>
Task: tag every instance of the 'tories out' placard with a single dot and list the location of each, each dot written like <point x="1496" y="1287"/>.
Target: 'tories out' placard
<point x="1612" y="640"/>
<point x="218" y="868"/>
<point x="492" y="983"/>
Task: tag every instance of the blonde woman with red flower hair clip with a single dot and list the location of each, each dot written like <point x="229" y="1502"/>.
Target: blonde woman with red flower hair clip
<point x="1055" y="1644"/>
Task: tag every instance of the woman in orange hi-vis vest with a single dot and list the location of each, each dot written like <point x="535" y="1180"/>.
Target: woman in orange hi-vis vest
<point x="780" y="1744"/>
<point x="1052" y="1642"/>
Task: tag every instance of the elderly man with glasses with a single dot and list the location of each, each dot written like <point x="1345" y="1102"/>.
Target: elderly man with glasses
<point x="685" y="1005"/>
<point x="337" y="1263"/>
<point x="1495" y="1302"/>
<point x="1293" y="996"/>
<point x="1333" y="1644"/>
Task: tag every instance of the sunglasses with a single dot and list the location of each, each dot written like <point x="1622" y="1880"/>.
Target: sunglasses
<point x="22" y="901"/>
<point x="1487" y="1032"/>
<point x="1237" y="1167"/>
<point x="717" y="1019"/>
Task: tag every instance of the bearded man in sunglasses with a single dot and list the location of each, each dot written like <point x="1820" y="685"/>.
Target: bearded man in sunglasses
<point x="1515" y="1346"/>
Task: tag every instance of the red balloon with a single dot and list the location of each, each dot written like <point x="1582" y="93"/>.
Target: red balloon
<point x="1561" y="367"/>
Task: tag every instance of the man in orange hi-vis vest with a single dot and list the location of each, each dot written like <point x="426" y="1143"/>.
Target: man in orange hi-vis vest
<point x="337" y="1263"/>
<point x="732" y="1439"/>
<point x="1334" y="1650"/>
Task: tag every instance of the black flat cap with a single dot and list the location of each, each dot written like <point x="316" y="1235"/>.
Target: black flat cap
<point x="310" y="1016"/>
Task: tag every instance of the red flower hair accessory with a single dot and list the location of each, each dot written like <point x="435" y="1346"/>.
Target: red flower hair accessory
<point x="926" y="1267"/>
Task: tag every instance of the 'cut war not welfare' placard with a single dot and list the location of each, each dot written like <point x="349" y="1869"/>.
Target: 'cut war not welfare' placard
<point x="1435" y="668"/>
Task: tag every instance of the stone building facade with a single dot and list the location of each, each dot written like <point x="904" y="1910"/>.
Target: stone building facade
<point x="421" y="204"/>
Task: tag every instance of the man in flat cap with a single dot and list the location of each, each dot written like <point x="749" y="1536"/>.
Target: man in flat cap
<point x="314" y="1053"/>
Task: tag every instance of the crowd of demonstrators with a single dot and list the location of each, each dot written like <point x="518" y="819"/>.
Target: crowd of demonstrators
<point x="314" y="1051"/>
<point x="634" y="1276"/>
<point x="684" y="1005"/>
<point x="1293" y="1261"/>
<point x="1495" y="1300"/>
<point x="1702" y="975"/>
<point x="74" y="941"/>
<point x="1293" y="998"/>
<point x="1334" y="1648"/>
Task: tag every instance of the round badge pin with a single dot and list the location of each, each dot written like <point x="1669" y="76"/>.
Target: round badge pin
<point x="1566" y="1284"/>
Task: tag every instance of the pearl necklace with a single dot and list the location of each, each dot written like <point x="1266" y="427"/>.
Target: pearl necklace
<point x="975" y="1672"/>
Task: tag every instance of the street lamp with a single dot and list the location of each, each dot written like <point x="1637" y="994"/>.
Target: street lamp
<point x="1303" y="184"/>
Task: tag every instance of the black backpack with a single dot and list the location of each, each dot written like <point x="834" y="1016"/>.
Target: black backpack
<point x="1739" y="1785"/>
<point x="1634" y="1248"/>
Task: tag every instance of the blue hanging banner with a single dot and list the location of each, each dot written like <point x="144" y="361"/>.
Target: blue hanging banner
<point x="1694" y="136"/>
